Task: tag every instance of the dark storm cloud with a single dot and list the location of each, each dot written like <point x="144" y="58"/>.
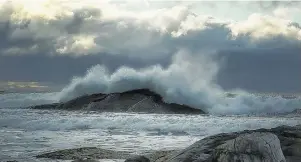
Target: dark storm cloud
<point x="89" y="30"/>
<point x="50" y="47"/>
<point x="37" y="35"/>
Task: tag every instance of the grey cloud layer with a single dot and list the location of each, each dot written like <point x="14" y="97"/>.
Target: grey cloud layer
<point x="54" y="33"/>
<point x="91" y="30"/>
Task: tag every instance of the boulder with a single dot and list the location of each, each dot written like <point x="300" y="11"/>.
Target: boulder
<point x="280" y="144"/>
<point x="85" y="153"/>
<point x="160" y="155"/>
<point x="138" y="159"/>
<point x="200" y="151"/>
<point x="253" y="147"/>
<point x="85" y="160"/>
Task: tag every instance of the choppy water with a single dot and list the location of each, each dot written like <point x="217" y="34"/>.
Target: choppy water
<point x="25" y="133"/>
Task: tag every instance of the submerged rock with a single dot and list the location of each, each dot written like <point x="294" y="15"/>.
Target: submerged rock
<point x="141" y="100"/>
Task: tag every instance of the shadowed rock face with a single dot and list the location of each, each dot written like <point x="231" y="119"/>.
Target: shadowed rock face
<point x="140" y="100"/>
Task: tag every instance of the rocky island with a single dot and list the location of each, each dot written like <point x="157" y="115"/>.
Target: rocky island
<point x="138" y="101"/>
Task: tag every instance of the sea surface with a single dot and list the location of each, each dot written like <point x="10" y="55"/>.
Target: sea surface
<point x="25" y="133"/>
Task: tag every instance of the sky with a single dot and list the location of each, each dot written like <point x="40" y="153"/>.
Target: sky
<point x="255" y="45"/>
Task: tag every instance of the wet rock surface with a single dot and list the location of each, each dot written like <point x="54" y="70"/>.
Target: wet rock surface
<point x="141" y="100"/>
<point x="255" y="146"/>
<point x="85" y="160"/>
<point x="278" y="144"/>
<point x="138" y="159"/>
<point x="85" y="153"/>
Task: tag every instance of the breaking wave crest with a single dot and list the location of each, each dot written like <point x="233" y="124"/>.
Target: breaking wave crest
<point x="188" y="80"/>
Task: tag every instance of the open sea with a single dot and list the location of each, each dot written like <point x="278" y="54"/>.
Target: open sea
<point x="25" y="133"/>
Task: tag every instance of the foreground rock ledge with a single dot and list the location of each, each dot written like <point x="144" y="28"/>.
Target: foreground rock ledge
<point x="85" y="153"/>
<point x="257" y="146"/>
<point x="280" y="144"/>
<point x="140" y="100"/>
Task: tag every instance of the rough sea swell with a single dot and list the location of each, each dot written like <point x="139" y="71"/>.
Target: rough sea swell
<point x="188" y="80"/>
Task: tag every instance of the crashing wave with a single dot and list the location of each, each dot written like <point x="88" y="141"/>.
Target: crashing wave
<point x="188" y="80"/>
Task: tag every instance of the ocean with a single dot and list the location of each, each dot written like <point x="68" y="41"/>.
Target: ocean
<point x="26" y="133"/>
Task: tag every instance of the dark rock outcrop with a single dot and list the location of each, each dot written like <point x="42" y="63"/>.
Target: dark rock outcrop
<point x="297" y="112"/>
<point x="140" y="100"/>
<point x="262" y="145"/>
<point x="160" y="155"/>
<point x="85" y="160"/>
<point x="278" y="144"/>
<point x="137" y="159"/>
<point x="85" y="154"/>
<point x="257" y="146"/>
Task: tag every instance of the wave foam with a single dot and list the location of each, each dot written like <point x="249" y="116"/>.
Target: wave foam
<point x="188" y="80"/>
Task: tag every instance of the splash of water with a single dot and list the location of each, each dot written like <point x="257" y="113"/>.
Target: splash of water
<point x="188" y="80"/>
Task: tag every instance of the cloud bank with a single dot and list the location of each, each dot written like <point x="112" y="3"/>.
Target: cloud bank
<point x="62" y="27"/>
